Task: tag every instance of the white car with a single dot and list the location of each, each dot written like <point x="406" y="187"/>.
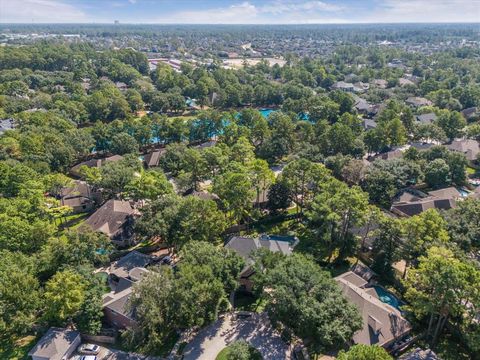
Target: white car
<point x="87" y="357"/>
<point x="88" y="349"/>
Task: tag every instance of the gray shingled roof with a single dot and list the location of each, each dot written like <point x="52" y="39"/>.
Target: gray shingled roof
<point x="382" y="323"/>
<point x="244" y="246"/>
<point x="55" y="343"/>
<point x="153" y="158"/>
<point x="110" y="217"/>
<point x="134" y="259"/>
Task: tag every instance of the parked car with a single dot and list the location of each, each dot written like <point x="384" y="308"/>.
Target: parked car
<point x="89" y="349"/>
<point x="87" y="357"/>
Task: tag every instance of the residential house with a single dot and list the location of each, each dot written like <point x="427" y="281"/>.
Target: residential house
<point x="121" y="86"/>
<point x="389" y="155"/>
<point x="203" y="194"/>
<point x="380" y="83"/>
<point x="382" y="323"/>
<point x="405" y="82"/>
<point x="362" y="106"/>
<point x="80" y="197"/>
<point x="6" y="124"/>
<point x="115" y="219"/>
<point x="416" y="101"/>
<point x="124" y="266"/>
<point x="361" y="86"/>
<point x="470" y="112"/>
<point x="410" y="204"/>
<point x="98" y="163"/>
<point x="428" y="118"/>
<point x="369" y="124"/>
<point x="245" y="246"/>
<point x="469" y="147"/>
<point x="152" y="158"/>
<point x="56" y="344"/>
<point x="116" y="309"/>
<point x="123" y="274"/>
<point x="343" y="86"/>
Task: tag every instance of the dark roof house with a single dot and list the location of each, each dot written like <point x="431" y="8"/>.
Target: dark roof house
<point x="133" y="260"/>
<point x="411" y="204"/>
<point x="152" y="159"/>
<point x="418" y="101"/>
<point x="469" y="147"/>
<point x="428" y="118"/>
<point x="80" y="197"/>
<point x="382" y="324"/>
<point x="114" y="219"/>
<point x="56" y="344"/>
<point x="98" y="163"/>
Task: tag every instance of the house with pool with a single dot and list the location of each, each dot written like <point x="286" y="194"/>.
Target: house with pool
<point x="383" y="322"/>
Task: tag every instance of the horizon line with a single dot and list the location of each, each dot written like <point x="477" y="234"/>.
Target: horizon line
<point x="240" y="24"/>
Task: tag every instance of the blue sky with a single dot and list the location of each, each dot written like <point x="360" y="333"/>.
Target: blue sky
<point x="239" y="11"/>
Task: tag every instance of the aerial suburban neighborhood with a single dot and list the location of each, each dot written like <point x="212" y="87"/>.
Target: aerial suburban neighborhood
<point x="234" y="188"/>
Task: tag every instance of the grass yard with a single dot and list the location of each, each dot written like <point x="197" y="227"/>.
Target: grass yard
<point x="471" y="170"/>
<point x="16" y="349"/>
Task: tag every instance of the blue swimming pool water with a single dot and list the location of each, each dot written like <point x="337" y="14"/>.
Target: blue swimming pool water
<point x="266" y="112"/>
<point x="387" y="297"/>
<point x="463" y="192"/>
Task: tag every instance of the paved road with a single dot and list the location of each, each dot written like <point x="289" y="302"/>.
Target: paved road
<point x="256" y="331"/>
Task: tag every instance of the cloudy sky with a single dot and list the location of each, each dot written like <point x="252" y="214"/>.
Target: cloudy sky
<point x="238" y="11"/>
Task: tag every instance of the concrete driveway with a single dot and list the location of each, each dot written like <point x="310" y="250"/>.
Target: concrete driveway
<point x="255" y="330"/>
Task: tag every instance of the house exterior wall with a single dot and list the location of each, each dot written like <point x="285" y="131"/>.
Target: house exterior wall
<point x="118" y="320"/>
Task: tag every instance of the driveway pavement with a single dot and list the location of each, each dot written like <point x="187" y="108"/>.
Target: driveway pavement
<point x="255" y="330"/>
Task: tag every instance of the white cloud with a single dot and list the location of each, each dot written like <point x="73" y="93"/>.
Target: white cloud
<point x="274" y="12"/>
<point x="426" y="11"/>
<point x="27" y="11"/>
<point x="234" y="14"/>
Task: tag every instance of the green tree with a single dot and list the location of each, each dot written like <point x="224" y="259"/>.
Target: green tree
<point x="463" y="224"/>
<point x="19" y="293"/>
<point x="124" y="143"/>
<point x="262" y="177"/>
<point x="440" y="288"/>
<point x="386" y="246"/>
<point x="334" y="211"/>
<point x="279" y="197"/>
<point x="179" y="221"/>
<point x="421" y="232"/>
<point x="452" y="123"/>
<point x="64" y="296"/>
<point x="308" y="301"/>
<point x="299" y="176"/>
<point x="364" y="352"/>
<point x="226" y="265"/>
<point x="437" y="173"/>
<point x="149" y="185"/>
<point x="235" y="192"/>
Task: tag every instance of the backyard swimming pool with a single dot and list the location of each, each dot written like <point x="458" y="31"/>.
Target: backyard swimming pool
<point x="387" y="297"/>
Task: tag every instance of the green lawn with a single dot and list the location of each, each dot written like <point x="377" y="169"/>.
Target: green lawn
<point x="73" y="221"/>
<point x="471" y="171"/>
<point x="16" y="349"/>
<point x="224" y="354"/>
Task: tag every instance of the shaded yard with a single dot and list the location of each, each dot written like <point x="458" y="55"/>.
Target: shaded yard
<point x="247" y="302"/>
<point x="16" y="349"/>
